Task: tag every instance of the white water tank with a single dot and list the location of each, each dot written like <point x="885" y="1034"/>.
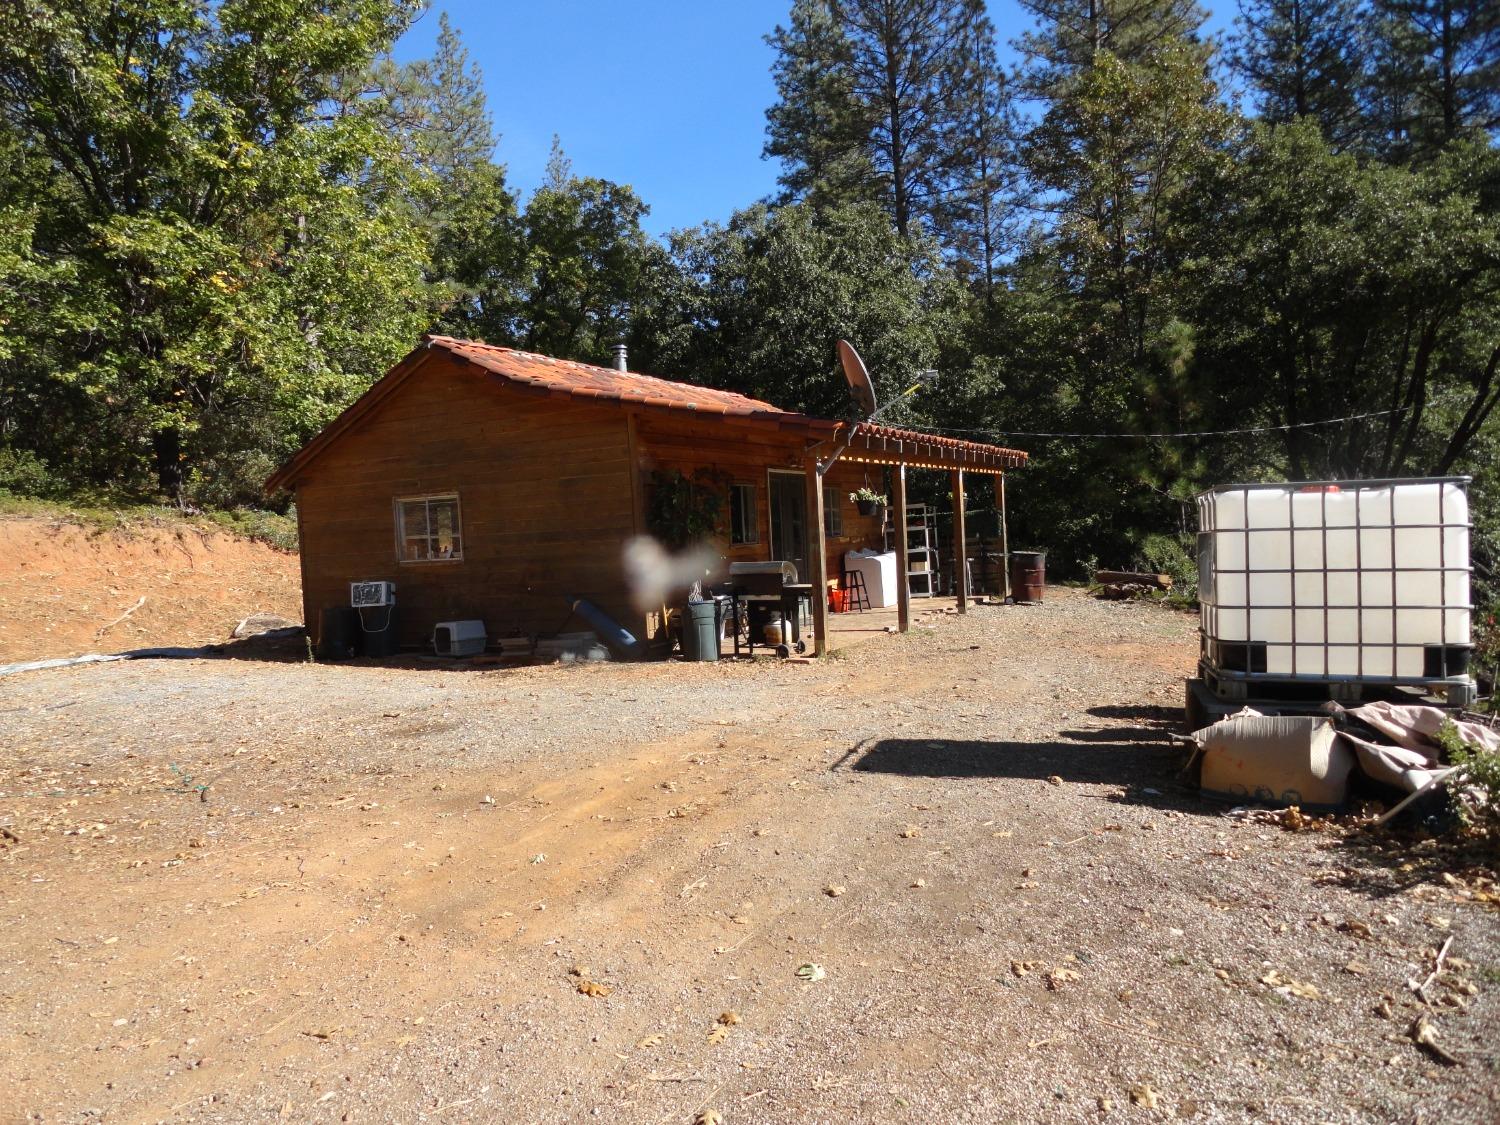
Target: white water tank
<point x="1347" y="581"/>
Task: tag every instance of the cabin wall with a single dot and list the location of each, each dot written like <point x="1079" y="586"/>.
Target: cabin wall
<point x="745" y="455"/>
<point x="545" y="497"/>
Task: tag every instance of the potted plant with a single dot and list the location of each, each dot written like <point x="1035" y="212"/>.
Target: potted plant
<point x="867" y="500"/>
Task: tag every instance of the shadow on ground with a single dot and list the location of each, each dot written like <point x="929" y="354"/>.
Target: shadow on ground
<point x="1134" y="759"/>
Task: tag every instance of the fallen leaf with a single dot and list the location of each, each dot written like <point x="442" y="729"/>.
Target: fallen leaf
<point x="919" y="884"/>
<point x="1286" y="986"/>
<point x="718" y="1034"/>
<point x="1144" y="1096"/>
<point x="833" y="891"/>
<point x="729" y="1018"/>
<point x="708" y="1117"/>
<point x="1021" y="968"/>
<point x="649" y="1041"/>
<point x="540" y="857"/>
<point x="579" y="971"/>
<point x="1424" y="1034"/>
<point x="1356" y="968"/>
<point x="322" y="1032"/>
<point x="811" y="972"/>
<point x="589" y="988"/>
<point x="1054" y="780"/>
<point x="910" y="832"/>
<point x="1354" y="926"/>
<point x="1060" y="976"/>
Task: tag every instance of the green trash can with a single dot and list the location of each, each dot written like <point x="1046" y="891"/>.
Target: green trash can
<point x="700" y="631"/>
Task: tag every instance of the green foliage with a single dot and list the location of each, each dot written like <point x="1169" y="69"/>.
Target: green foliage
<point x="1435" y="75"/>
<point x="195" y="243"/>
<point x="220" y="220"/>
<point x="1305" y="58"/>
<point x="276" y="529"/>
<point x="586" y="255"/>
<point x="1478" y="791"/>
<point x="25" y="474"/>
<point x="1176" y="555"/>
<point x="683" y="510"/>
<point x="758" y="305"/>
<point x="872" y="98"/>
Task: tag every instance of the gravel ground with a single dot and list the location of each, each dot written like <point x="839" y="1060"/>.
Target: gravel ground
<point x="245" y="889"/>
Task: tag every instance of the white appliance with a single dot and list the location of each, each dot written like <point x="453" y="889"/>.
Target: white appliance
<point x="371" y="595"/>
<point x="459" y="638"/>
<point x="878" y="569"/>
<point x="1336" y="581"/>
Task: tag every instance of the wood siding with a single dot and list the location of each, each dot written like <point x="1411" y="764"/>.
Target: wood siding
<point x="745" y="456"/>
<point x="545" y="492"/>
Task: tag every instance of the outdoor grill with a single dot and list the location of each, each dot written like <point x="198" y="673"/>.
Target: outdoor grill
<point x="760" y="590"/>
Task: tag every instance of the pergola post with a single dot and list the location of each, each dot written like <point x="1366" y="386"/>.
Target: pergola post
<point x="1004" y="534"/>
<point x="960" y="544"/>
<point x="817" y="543"/>
<point x="903" y="583"/>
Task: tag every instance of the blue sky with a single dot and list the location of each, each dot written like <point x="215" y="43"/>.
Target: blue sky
<point x="668" y="96"/>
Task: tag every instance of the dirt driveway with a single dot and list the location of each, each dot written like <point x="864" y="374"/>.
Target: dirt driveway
<point x="565" y="894"/>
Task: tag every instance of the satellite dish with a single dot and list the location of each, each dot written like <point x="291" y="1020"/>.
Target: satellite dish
<point x="861" y="386"/>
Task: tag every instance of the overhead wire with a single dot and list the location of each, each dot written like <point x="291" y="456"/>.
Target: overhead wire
<point x="991" y="432"/>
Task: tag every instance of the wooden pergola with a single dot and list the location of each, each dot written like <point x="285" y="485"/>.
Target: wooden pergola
<point x="874" y="444"/>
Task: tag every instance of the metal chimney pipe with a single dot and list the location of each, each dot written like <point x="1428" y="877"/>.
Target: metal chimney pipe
<point x="620" y="358"/>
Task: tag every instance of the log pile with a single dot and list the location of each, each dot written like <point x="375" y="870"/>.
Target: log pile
<point x="1117" y="585"/>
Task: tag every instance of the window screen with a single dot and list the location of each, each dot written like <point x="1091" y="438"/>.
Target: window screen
<point x="427" y="529"/>
<point x="833" y="514"/>
<point x="743" y="526"/>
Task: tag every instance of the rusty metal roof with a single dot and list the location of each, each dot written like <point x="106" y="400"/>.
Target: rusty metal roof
<point x="868" y="442"/>
<point x="584" y="380"/>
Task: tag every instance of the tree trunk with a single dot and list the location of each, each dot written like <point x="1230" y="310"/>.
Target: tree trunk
<point x="166" y="444"/>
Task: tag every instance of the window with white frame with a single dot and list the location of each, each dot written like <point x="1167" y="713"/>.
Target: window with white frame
<point x="833" y="515"/>
<point x="743" y="526"/>
<point x="428" y="529"/>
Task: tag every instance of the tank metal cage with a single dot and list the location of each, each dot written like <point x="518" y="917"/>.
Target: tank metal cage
<point x="1345" y="584"/>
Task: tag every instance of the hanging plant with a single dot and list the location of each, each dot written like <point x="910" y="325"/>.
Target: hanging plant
<point x="867" y="500"/>
<point x="681" y="510"/>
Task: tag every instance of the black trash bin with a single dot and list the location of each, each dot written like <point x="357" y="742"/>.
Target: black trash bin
<point x="377" y="630"/>
<point x="338" y="632"/>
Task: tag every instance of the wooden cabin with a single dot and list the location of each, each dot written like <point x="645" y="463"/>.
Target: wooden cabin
<point x="493" y="484"/>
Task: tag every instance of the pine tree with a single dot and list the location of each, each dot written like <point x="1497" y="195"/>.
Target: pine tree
<point x="1437" y="73"/>
<point x="437" y="106"/>
<point x="872" y="89"/>
<point x="438" y="110"/>
<point x="1072" y="33"/>
<point x="817" y="128"/>
<point x="981" y="213"/>
<point x="1304" y="58"/>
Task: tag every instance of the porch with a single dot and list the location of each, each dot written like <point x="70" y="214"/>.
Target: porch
<point x="845" y="629"/>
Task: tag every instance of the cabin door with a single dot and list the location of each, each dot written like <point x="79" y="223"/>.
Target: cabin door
<point x="788" y="492"/>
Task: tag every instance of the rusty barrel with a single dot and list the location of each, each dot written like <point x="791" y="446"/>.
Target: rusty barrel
<point x="1028" y="575"/>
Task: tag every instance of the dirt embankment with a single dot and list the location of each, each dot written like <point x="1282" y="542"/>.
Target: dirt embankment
<point x="64" y="588"/>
